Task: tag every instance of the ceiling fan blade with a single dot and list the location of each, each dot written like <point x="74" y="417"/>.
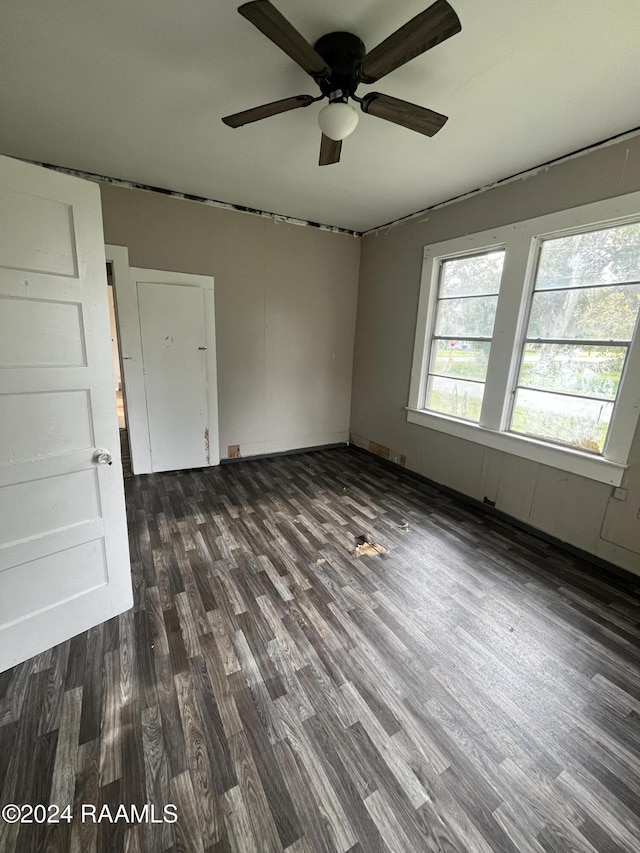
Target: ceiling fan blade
<point x="329" y="151"/>
<point x="263" y="15"/>
<point x="404" y="113"/>
<point x="266" y="110"/>
<point x="426" y="30"/>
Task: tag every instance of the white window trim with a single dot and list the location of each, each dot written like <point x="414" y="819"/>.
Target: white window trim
<point x="521" y="241"/>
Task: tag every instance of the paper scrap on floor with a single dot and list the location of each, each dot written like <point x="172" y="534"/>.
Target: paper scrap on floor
<point x="367" y="548"/>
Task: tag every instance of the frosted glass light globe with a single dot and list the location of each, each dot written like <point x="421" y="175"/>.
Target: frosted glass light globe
<point x="337" y="120"/>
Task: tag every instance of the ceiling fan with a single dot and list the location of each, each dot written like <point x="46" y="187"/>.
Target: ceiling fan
<point x="339" y="63"/>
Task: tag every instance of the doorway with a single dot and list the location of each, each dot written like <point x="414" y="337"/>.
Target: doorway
<point x="164" y="425"/>
<point x="125" y="453"/>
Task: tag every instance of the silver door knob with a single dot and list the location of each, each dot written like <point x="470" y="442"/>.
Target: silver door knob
<point x="102" y="457"/>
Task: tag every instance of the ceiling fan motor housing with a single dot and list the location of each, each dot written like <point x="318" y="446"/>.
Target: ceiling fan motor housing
<point x="343" y="53"/>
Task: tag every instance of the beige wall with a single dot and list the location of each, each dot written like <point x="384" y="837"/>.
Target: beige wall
<point x="575" y="510"/>
<point x="285" y="299"/>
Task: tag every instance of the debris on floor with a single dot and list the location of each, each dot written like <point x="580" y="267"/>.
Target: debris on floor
<point x="365" y="547"/>
<point x="404" y="525"/>
<point x="320" y="561"/>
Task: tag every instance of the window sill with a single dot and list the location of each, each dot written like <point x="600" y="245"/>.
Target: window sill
<point x="565" y="459"/>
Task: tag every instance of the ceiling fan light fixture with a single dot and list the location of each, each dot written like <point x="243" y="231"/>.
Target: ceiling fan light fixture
<point x="338" y="120"/>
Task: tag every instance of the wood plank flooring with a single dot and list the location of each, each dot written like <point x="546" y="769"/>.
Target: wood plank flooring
<point x="474" y="689"/>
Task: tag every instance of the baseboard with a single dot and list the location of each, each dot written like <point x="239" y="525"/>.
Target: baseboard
<point x="235" y="459"/>
<point x="622" y="574"/>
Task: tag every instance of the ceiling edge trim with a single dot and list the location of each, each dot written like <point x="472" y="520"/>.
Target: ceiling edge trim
<point x="525" y="173"/>
<point x="210" y="202"/>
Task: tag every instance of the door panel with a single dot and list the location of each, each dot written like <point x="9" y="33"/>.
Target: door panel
<point x="64" y="561"/>
<point x="35" y="508"/>
<point x="21" y="215"/>
<point x="172" y="329"/>
<point x="51" y="333"/>
<point x="51" y="423"/>
<point x="56" y="578"/>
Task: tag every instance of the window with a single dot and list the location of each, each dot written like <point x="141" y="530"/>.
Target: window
<point x="464" y="317"/>
<point x="582" y="318"/>
<point x="526" y="338"/>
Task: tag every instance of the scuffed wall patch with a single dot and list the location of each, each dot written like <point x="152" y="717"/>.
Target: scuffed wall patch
<point x="379" y="449"/>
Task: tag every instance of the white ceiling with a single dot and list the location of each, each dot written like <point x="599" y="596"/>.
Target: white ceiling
<point x="136" y="90"/>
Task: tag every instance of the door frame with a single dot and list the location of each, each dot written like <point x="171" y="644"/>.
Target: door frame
<point x="130" y="345"/>
<point x="125" y="280"/>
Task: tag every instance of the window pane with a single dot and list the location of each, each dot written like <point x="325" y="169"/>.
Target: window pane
<point x="590" y="371"/>
<point x="472" y="276"/>
<point x="599" y="257"/>
<point x="461" y="317"/>
<point x="598" y="313"/>
<point x="455" y="397"/>
<point x="569" y="420"/>
<point x="462" y="359"/>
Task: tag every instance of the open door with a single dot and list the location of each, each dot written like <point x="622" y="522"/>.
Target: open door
<point x="64" y="558"/>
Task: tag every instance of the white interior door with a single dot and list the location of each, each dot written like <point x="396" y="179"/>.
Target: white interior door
<point x="64" y="559"/>
<point x="172" y="330"/>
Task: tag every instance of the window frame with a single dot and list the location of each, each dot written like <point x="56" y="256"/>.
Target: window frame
<point x="522" y="243"/>
<point x="434" y="315"/>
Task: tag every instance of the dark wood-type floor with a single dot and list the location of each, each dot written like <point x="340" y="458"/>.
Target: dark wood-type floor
<point x="125" y="453"/>
<point x="472" y="690"/>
